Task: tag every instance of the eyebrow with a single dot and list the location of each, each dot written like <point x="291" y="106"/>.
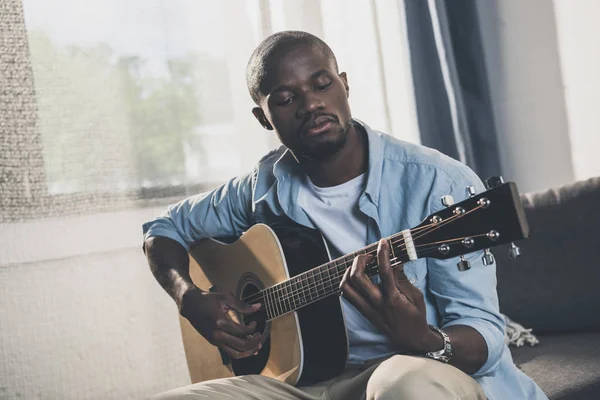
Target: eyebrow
<point x="314" y="75"/>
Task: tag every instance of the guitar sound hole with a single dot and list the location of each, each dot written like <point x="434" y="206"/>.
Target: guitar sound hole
<point x="250" y="290"/>
<point x="249" y="286"/>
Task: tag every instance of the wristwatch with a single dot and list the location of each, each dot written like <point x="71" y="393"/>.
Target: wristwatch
<point x="445" y="354"/>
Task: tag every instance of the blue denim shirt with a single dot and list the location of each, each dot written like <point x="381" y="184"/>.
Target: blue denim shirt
<point x="404" y="185"/>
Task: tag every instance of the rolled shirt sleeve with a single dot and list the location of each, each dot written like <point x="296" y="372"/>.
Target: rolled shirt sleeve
<point x="224" y="211"/>
<point x="469" y="297"/>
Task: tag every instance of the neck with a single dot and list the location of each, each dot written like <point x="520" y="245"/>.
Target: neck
<point x="345" y="165"/>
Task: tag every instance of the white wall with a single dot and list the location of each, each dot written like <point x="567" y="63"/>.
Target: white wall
<point x="521" y="50"/>
<point x="578" y="32"/>
<point x="543" y="60"/>
<point x="93" y="324"/>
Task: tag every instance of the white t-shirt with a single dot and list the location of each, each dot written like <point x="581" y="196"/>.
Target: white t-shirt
<point x="334" y="211"/>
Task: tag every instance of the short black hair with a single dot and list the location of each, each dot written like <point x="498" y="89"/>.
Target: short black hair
<point x="262" y="55"/>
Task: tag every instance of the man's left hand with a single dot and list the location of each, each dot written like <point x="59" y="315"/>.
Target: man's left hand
<point x="395" y="306"/>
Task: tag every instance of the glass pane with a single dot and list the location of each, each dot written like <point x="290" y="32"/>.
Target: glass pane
<point x="141" y="94"/>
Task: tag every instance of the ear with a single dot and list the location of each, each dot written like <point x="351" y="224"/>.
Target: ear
<point x="262" y="119"/>
<point x="344" y="79"/>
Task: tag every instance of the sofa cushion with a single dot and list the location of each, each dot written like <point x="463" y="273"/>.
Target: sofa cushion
<point x="565" y="366"/>
<point x="553" y="286"/>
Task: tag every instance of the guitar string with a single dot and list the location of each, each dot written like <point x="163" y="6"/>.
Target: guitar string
<point x="315" y="300"/>
<point x="333" y="264"/>
<point x="323" y="283"/>
<point x="280" y="290"/>
<point x="282" y="308"/>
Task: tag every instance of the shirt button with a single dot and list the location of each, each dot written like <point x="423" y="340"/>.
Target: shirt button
<point x="413" y="281"/>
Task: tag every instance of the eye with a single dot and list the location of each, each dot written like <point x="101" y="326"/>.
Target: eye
<point x="324" y="86"/>
<point x="286" y="101"/>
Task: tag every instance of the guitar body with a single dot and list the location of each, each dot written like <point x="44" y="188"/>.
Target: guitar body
<point x="301" y="347"/>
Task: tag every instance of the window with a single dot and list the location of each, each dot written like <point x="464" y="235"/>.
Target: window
<point x="144" y="101"/>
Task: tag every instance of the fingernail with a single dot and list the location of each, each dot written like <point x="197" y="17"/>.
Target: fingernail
<point x="260" y="346"/>
<point x="257" y="306"/>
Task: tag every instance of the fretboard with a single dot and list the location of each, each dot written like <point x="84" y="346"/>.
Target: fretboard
<point x="324" y="280"/>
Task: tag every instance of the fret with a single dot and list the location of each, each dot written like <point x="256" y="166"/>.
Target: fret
<point x="273" y="301"/>
<point x="265" y="302"/>
<point x="348" y="260"/>
<point x="299" y="289"/>
<point x="294" y="288"/>
<point x="269" y="292"/>
<point x="305" y="289"/>
<point x="290" y="296"/>
<point x="322" y="286"/>
<point x="336" y="277"/>
<point x="277" y="299"/>
<point x="312" y="281"/>
<point x="323" y="280"/>
<point x="317" y="287"/>
<point x="391" y="249"/>
<point x="308" y="286"/>
<point x="327" y="283"/>
<point x="340" y="267"/>
<point x="285" y="297"/>
<point x="316" y="272"/>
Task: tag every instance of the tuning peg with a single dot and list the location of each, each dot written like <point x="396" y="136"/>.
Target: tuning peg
<point x="488" y="257"/>
<point x="471" y="191"/>
<point x="493" y="181"/>
<point x="514" y="251"/>
<point x="447" y="200"/>
<point x="463" y="264"/>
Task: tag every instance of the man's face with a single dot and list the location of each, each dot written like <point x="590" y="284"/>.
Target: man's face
<point x="306" y="103"/>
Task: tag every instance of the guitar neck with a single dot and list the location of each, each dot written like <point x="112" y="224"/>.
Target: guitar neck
<point x="324" y="280"/>
<point x="479" y="222"/>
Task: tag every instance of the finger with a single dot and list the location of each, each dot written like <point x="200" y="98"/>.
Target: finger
<point x="361" y="282"/>
<point x="240" y="307"/>
<point x="361" y="304"/>
<point x="385" y="268"/>
<point x="240" y="344"/>
<point x="404" y="286"/>
<point x="400" y="277"/>
<point x="230" y="326"/>
<point x="240" y="354"/>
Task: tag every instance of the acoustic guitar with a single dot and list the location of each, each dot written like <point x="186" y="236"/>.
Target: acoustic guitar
<point x="286" y="268"/>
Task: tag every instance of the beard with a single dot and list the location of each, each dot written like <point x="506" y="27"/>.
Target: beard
<point x="323" y="149"/>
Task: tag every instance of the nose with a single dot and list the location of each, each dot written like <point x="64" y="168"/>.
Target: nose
<point x="311" y="103"/>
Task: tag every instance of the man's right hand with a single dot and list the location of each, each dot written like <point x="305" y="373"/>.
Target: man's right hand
<point x="208" y="313"/>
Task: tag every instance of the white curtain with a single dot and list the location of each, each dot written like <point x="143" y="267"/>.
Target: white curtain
<point x="109" y="111"/>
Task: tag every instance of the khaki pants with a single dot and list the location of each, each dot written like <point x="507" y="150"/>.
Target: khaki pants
<point x="398" y="377"/>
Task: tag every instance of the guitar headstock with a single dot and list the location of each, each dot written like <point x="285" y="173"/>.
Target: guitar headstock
<point x="488" y="219"/>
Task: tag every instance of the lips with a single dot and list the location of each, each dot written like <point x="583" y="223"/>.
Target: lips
<point x="319" y="125"/>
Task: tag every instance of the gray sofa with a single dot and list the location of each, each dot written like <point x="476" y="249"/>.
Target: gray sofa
<point x="554" y="288"/>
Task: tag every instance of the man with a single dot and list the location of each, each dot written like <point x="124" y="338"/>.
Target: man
<point x="356" y="186"/>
